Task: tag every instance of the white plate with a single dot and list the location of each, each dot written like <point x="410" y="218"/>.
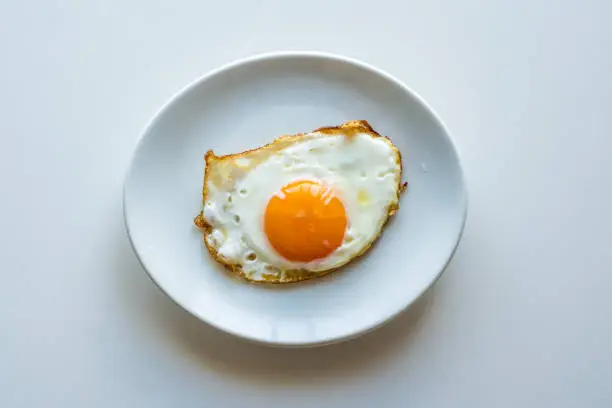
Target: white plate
<point x="247" y="104"/>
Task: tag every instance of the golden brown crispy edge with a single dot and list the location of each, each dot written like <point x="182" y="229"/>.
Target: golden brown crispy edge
<point x="350" y="128"/>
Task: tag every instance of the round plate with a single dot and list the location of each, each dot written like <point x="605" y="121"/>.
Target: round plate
<point x="247" y="104"/>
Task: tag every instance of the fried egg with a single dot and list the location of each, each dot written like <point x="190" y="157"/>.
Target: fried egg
<point x="301" y="206"/>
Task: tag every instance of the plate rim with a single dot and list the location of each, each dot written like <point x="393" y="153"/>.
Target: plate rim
<point x="282" y="55"/>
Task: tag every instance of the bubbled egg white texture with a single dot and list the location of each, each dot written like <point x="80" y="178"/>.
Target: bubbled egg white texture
<point x="363" y="171"/>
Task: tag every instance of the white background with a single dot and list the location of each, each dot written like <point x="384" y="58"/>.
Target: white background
<point x="522" y="316"/>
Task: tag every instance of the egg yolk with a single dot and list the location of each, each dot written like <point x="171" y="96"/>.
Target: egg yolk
<point x="305" y="221"/>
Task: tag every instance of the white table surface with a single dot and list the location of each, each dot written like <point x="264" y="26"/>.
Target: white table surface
<point x="522" y="316"/>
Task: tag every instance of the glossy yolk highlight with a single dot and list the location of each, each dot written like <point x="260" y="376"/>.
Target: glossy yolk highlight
<point x="305" y="221"/>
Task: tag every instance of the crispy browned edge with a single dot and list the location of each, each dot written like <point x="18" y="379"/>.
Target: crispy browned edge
<point x="349" y="128"/>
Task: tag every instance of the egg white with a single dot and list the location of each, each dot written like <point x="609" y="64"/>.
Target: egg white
<point x="364" y="172"/>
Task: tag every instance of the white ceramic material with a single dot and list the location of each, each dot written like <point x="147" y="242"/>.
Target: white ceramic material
<point x="249" y="103"/>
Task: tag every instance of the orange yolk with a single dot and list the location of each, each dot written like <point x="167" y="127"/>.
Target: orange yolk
<point x="305" y="221"/>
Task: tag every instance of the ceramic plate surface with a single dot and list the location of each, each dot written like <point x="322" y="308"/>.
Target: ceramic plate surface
<point x="247" y="104"/>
